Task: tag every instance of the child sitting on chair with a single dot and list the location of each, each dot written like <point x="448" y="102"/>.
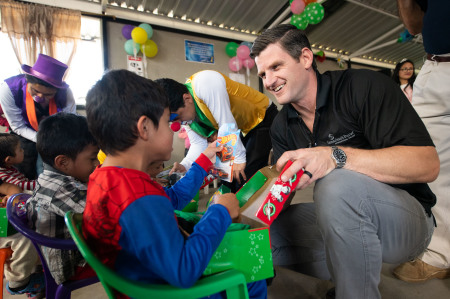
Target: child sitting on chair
<point x="129" y="218"/>
<point x="69" y="152"/>
<point x="11" y="153"/>
<point x="19" y="269"/>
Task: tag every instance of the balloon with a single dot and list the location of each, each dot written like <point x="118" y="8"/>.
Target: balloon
<point x="405" y="36"/>
<point x="147" y="29"/>
<point x="300" y="21"/>
<point x="234" y="64"/>
<point x="309" y="1"/>
<point x="248" y="44"/>
<point x="130" y="45"/>
<point x="126" y="31"/>
<point x="297" y="6"/>
<point x="139" y="35"/>
<point x="315" y="13"/>
<point x="243" y="52"/>
<point x="231" y="49"/>
<point x="248" y="63"/>
<point x="320" y="56"/>
<point x="149" y="48"/>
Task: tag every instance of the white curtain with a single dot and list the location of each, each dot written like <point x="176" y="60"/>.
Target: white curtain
<point x="35" y="28"/>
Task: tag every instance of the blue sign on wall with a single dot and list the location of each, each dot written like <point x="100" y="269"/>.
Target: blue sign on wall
<point x="199" y="52"/>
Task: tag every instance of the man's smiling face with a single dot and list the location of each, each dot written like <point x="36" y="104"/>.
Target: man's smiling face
<point x="282" y="75"/>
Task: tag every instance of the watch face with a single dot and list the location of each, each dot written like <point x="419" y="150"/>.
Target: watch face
<point x="340" y="155"/>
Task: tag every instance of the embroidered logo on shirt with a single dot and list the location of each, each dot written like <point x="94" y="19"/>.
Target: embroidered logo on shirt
<point x="341" y="139"/>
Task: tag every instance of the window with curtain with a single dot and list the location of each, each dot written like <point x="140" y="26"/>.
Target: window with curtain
<point x="86" y="66"/>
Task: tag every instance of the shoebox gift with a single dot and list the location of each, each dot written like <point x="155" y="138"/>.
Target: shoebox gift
<point x="264" y="196"/>
<point x="243" y="248"/>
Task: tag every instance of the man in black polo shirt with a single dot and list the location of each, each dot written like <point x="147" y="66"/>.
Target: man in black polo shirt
<point x="357" y="136"/>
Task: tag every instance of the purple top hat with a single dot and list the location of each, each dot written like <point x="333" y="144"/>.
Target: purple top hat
<point x="48" y="69"/>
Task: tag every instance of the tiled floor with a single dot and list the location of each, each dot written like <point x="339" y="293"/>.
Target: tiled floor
<point x="288" y="284"/>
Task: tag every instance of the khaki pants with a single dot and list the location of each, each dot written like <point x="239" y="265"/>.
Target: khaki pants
<point x="23" y="261"/>
<point x="431" y="99"/>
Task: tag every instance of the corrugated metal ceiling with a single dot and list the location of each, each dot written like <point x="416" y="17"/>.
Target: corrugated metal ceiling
<point x="364" y="30"/>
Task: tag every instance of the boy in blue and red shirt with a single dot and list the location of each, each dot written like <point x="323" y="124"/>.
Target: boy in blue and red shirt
<point x="129" y="218"/>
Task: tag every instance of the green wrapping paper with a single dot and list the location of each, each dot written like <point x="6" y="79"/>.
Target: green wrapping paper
<point x="6" y="229"/>
<point x="245" y="250"/>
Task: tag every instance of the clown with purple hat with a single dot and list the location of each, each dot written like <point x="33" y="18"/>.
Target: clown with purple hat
<point x="28" y="98"/>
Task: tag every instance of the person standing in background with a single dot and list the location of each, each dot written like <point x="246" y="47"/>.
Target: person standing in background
<point x="431" y="100"/>
<point x="404" y="76"/>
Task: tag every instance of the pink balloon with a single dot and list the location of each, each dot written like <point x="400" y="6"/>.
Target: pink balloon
<point x="297" y="6"/>
<point x="243" y="52"/>
<point x="235" y="64"/>
<point x="248" y="63"/>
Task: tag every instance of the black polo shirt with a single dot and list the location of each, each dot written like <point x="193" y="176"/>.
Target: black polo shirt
<point x="360" y="109"/>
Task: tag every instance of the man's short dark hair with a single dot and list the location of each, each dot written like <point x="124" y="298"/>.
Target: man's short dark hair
<point x="8" y="144"/>
<point x="115" y="104"/>
<point x="174" y="91"/>
<point x="34" y="80"/>
<point x="63" y="134"/>
<point x="291" y="39"/>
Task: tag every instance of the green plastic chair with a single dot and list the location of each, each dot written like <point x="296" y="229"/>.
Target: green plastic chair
<point x="231" y="281"/>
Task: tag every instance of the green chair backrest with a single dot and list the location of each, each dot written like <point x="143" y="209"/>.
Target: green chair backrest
<point x="231" y="281"/>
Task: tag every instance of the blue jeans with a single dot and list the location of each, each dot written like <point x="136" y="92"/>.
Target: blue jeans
<point x="364" y="223"/>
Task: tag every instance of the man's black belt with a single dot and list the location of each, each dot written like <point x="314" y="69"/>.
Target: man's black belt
<point x="438" y="58"/>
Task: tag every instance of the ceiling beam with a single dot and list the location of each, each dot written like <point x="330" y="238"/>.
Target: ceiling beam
<point x="137" y="16"/>
<point x="89" y="7"/>
<point x="380" y="38"/>
<point x="379" y="10"/>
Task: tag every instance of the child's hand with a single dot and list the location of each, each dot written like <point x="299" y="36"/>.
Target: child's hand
<point x="212" y="138"/>
<point x="212" y="150"/>
<point x="229" y="201"/>
<point x="177" y="167"/>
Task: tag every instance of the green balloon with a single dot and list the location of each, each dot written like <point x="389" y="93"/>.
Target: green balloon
<point x="231" y="49"/>
<point x="130" y="46"/>
<point x="300" y="21"/>
<point x="315" y="13"/>
<point x="295" y="20"/>
<point x="148" y="28"/>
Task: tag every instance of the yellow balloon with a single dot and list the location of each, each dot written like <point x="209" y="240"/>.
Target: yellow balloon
<point x="149" y="48"/>
<point x="139" y="35"/>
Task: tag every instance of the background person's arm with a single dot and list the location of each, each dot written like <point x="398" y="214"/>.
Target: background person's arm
<point x="14" y="114"/>
<point x="411" y="15"/>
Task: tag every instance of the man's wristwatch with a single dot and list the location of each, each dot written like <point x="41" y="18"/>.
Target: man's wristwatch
<point x="339" y="156"/>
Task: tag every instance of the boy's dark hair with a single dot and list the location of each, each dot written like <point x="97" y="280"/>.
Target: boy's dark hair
<point x="63" y="134"/>
<point x="291" y="39"/>
<point x="8" y="144"/>
<point x="34" y="80"/>
<point x="174" y="91"/>
<point x="115" y="104"/>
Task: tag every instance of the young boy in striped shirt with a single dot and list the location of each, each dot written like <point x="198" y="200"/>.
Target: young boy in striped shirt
<point x="11" y="153"/>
